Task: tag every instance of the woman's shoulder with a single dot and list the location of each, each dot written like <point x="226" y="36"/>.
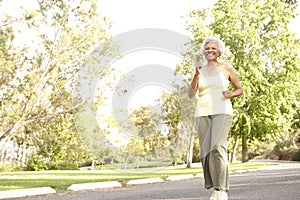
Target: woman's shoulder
<point x="228" y="67"/>
<point x="228" y="70"/>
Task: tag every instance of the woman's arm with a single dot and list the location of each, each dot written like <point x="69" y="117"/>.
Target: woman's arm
<point x="194" y="83"/>
<point x="234" y="79"/>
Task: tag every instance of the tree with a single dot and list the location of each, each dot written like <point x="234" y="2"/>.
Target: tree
<point x="178" y="113"/>
<point x="36" y="76"/>
<point x="259" y="41"/>
<point x="149" y="139"/>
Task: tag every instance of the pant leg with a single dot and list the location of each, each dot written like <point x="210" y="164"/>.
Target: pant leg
<point x="218" y="161"/>
<point x="213" y="132"/>
<point x="203" y="127"/>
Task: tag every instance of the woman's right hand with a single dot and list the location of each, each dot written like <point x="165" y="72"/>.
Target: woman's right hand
<point x="198" y="66"/>
<point x="194" y="84"/>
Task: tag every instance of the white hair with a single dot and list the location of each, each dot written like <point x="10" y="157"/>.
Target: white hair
<point x="217" y="41"/>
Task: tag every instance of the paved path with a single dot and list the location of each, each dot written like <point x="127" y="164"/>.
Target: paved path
<point x="271" y="184"/>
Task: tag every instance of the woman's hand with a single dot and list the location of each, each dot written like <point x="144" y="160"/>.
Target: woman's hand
<point x="234" y="79"/>
<point x="227" y="94"/>
<point x="194" y="84"/>
<point x="198" y="66"/>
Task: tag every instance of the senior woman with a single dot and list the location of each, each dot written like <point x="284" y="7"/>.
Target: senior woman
<point x="213" y="115"/>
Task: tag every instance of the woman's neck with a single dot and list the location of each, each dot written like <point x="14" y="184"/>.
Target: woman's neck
<point x="212" y="63"/>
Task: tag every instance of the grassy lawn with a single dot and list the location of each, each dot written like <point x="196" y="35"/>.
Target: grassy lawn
<point x="61" y="180"/>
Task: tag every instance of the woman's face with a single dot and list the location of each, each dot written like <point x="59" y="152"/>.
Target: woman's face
<point x="211" y="51"/>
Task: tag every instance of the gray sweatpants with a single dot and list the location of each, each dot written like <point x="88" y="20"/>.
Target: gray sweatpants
<point x="213" y="131"/>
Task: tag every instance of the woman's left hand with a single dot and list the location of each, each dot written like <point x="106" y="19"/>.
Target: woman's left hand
<point x="227" y="94"/>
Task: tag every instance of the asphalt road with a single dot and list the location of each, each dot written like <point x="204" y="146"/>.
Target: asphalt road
<point x="272" y="184"/>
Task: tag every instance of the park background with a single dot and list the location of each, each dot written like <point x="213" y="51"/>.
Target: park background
<point x="44" y="44"/>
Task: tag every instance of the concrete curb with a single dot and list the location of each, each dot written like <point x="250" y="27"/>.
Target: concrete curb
<point x="26" y="192"/>
<point x="240" y="171"/>
<point x="145" y="181"/>
<point x="199" y="175"/>
<point x="180" y="177"/>
<point x="96" y="185"/>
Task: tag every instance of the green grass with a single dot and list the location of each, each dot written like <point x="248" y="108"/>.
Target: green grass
<point x="61" y="180"/>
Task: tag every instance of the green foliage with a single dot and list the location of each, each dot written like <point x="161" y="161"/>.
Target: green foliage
<point x="259" y="43"/>
<point x="149" y="140"/>
<point x="36" y="105"/>
<point x="147" y="121"/>
<point x="196" y="150"/>
<point x="36" y="163"/>
<point x="64" y="166"/>
<point x="296" y="156"/>
<point x="259" y="46"/>
<point x="40" y="163"/>
<point x="55" y="143"/>
<point x="10" y="168"/>
<point x="177" y="109"/>
<point x="258" y="148"/>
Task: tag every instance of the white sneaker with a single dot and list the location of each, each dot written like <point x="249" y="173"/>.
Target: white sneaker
<point x="219" y="195"/>
<point x="223" y="195"/>
<point x="214" y="195"/>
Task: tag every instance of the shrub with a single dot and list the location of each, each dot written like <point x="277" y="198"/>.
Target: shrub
<point x="10" y="168"/>
<point x="39" y="163"/>
<point x="63" y="166"/>
<point x="296" y="156"/>
<point x="36" y="163"/>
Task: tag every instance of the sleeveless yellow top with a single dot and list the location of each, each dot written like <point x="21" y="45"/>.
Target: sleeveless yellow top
<point x="210" y="99"/>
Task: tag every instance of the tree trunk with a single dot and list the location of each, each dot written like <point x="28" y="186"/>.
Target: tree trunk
<point x="126" y="159"/>
<point x="22" y="155"/>
<point x="189" y="156"/>
<point x="137" y="162"/>
<point x="93" y="165"/>
<point x="245" y="157"/>
<point x="233" y="154"/>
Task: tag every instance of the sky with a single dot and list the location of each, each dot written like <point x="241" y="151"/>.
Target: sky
<point x="137" y="14"/>
<point x="132" y="14"/>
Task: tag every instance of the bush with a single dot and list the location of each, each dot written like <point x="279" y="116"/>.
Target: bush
<point x="39" y="163"/>
<point x="10" y="168"/>
<point x="36" y="163"/>
<point x="296" y="156"/>
<point x="63" y="166"/>
<point x="258" y="149"/>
